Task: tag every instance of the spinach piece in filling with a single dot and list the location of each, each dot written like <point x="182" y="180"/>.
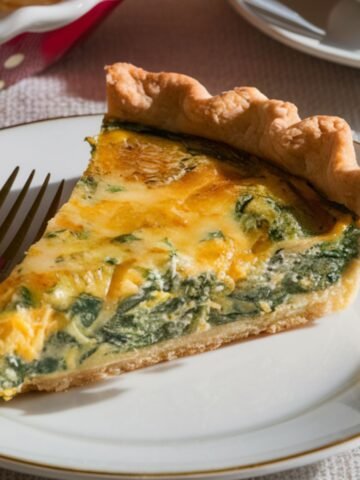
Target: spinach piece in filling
<point x="321" y="266"/>
<point x="89" y="183"/>
<point x="13" y="370"/>
<point x="288" y="273"/>
<point x="137" y="324"/>
<point x="213" y="236"/>
<point x="23" y="298"/>
<point x="61" y="338"/>
<point x="125" y="238"/>
<point x="259" y="212"/>
<point x="86" y="308"/>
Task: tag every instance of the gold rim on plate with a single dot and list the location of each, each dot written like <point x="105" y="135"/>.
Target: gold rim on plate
<point x="173" y="475"/>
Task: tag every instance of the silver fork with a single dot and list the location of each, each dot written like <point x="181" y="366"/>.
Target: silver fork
<point x="11" y="253"/>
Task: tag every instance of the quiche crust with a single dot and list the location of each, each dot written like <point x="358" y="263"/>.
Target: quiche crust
<point x="319" y="148"/>
<point x="309" y="307"/>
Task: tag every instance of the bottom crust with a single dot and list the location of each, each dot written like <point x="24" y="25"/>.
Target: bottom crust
<point x="302" y="310"/>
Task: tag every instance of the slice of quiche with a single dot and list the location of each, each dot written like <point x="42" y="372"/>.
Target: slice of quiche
<point x="193" y="226"/>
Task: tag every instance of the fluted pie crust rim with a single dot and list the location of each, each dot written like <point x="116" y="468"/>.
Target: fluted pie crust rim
<point x="319" y="149"/>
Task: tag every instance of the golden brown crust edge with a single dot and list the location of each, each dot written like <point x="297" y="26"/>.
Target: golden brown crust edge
<point x="310" y="307"/>
<point x="319" y="149"/>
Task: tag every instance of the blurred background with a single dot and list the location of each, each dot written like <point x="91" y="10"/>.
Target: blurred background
<point x="207" y="39"/>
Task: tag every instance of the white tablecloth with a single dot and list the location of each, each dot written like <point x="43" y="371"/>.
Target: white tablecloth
<point x="206" y="39"/>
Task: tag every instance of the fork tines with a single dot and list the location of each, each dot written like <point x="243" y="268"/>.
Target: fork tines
<point x="12" y="253"/>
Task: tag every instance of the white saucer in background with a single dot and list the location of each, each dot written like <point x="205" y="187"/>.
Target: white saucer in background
<point x="308" y="44"/>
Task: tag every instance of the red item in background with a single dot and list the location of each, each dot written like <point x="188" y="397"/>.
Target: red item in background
<point x="29" y="53"/>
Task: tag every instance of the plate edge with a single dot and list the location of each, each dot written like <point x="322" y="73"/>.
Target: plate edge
<point x="327" y="450"/>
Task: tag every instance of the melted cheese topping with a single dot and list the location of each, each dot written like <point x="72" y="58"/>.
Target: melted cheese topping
<point x="142" y="198"/>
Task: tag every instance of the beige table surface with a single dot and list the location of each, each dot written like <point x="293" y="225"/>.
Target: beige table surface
<point x="206" y="39"/>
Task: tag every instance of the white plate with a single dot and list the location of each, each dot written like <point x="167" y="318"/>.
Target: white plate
<point x="256" y="407"/>
<point x="304" y="43"/>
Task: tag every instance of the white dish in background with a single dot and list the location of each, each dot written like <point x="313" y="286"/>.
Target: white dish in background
<point x="315" y="45"/>
<point x="252" y="408"/>
<point x="43" y="18"/>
